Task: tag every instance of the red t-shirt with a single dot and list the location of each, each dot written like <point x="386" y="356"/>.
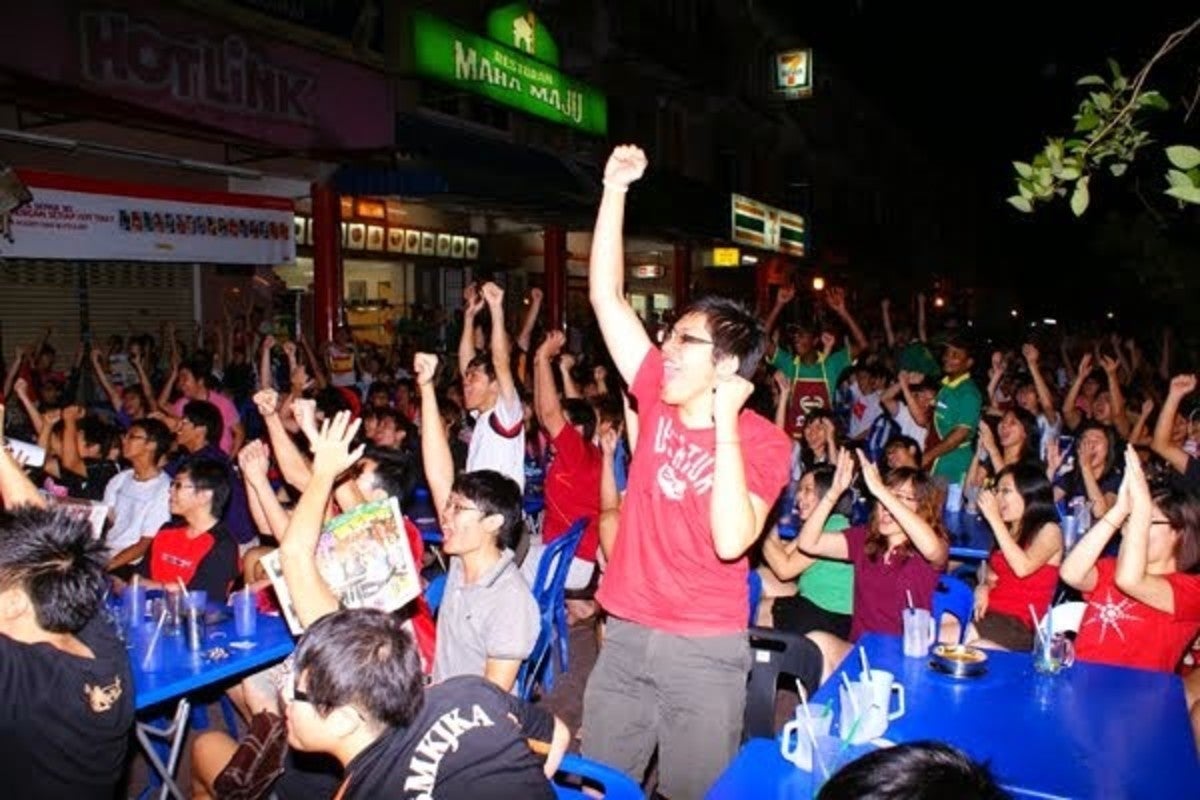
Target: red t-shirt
<point x="1117" y="629"/>
<point x="573" y="490"/>
<point x="1012" y="596"/>
<point x="881" y="587"/>
<point x="208" y="561"/>
<point x="664" y="572"/>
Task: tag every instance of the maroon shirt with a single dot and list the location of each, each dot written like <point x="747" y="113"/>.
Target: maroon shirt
<point x="880" y="585"/>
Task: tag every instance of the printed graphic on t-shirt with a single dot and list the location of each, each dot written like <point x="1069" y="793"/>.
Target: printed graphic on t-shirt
<point x="1111" y="613"/>
<point x="103" y="698"/>
<point x="684" y="464"/>
<point x="442" y="737"/>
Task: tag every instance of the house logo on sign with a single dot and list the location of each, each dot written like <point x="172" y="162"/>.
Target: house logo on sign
<point x="524" y="28"/>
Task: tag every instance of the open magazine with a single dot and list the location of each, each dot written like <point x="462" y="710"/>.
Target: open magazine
<point x="364" y="557"/>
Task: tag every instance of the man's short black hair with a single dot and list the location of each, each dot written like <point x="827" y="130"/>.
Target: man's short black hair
<point x="395" y="470"/>
<point x="362" y="657"/>
<point x="156" y="432"/>
<point x="97" y="432"/>
<point x="735" y="331"/>
<point x="494" y="493"/>
<point x="204" y="414"/>
<point x="913" y="771"/>
<point x="56" y="561"/>
<point x="483" y="361"/>
<point x="580" y="412"/>
<point x="211" y="475"/>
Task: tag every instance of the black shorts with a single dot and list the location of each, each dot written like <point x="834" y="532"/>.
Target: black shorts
<point x="798" y="614"/>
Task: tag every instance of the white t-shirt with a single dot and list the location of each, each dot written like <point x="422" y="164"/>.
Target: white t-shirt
<point x="139" y="508"/>
<point x="908" y="425"/>
<point x="864" y="408"/>
<point x="489" y="449"/>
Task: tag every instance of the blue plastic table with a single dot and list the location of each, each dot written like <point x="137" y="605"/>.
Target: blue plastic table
<point x="1091" y="731"/>
<point x="184" y="673"/>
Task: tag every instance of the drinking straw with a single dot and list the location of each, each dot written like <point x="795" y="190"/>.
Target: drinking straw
<point x="808" y="724"/>
<point x="1037" y="627"/>
<point x="908" y="594"/>
<point x="866" y="665"/>
<point x="854" y="727"/>
<point x="136" y="578"/>
<point x="162" y="617"/>
<point x="183" y="586"/>
<point x="850" y="693"/>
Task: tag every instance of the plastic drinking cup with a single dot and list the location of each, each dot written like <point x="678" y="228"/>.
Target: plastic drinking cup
<point x="919" y="632"/>
<point x="830" y="756"/>
<point x="134" y="605"/>
<point x="245" y="614"/>
<point x="794" y="742"/>
<point x="197" y="598"/>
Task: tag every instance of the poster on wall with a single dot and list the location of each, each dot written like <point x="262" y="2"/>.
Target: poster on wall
<point x="472" y="248"/>
<point x="412" y="243"/>
<point x="395" y="240"/>
<point x="375" y="238"/>
<point x="80" y="218"/>
<point x="458" y="246"/>
<point x="358" y="236"/>
<point x="428" y="243"/>
<point x="443" y="245"/>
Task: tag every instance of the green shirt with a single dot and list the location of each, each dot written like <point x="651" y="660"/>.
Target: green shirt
<point x="827" y="368"/>
<point x="958" y="406"/>
<point x="828" y="583"/>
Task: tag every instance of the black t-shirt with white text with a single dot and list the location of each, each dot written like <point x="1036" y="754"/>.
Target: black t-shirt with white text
<point x="471" y="741"/>
<point x="64" y="719"/>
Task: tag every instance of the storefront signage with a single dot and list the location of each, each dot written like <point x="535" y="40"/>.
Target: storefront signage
<point x="88" y="220"/>
<point x="396" y="240"/>
<point x="518" y="27"/>
<point x="505" y="75"/>
<point x="766" y="227"/>
<point x="201" y="72"/>
<point x="648" y="271"/>
<point x="726" y="257"/>
<point x="793" y="73"/>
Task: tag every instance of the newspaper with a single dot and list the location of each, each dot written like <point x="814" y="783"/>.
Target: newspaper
<point x="363" y="556"/>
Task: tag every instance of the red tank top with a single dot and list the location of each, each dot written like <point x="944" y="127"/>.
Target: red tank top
<point x="1012" y="595"/>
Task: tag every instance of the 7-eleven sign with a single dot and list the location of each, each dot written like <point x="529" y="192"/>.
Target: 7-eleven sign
<point x="766" y="227"/>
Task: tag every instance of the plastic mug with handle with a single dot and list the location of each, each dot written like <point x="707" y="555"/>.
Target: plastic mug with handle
<point x="794" y="742"/>
<point x="919" y="632"/>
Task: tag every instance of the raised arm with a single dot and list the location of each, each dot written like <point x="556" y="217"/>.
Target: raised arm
<point x="493" y="295"/>
<point x="545" y="396"/>
<point x="292" y="464"/>
<point x="13" y="370"/>
<point x="71" y="459"/>
<point x="311" y="596"/>
<point x="885" y="311"/>
<point x="932" y="547"/>
<point x="268" y="514"/>
<point x="1070" y="413"/>
<point x="835" y="298"/>
<point x="1132" y="577"/>
<point x="786" y="294"/>
<point x="531" y="315"/>
<point x="1045" y="399"/>
<point x="1120" y="416"/>
<point x="1047" y="542"/>
<point x="101" y="371"/>
<point x="811" y="539"/>
<point x="435" y="450"/>
<point x="15" y="487"/>
<point x="1176" y="456"/>
<point x="472" y="305"/>
<point x="736" y="515"/>
<point x="566" y="363"/>
<point x="622" y="330"/>
<point x="1078" y="568"/>
<point x="315" y="365"/>
<point x="922" y="333"/>
<point x="266" y="379"/>
<point x="610" y="498"/>
<point x="21" y="390"/>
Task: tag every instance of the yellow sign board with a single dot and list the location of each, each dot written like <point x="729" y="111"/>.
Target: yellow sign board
<point x="726" y="257"/>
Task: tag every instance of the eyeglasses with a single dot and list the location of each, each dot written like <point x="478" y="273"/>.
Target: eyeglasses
<point x="674" y="337"/>
<point x="456" y="508"/>
<point x="293" y="693"/>
<point x="1160" y="522"/>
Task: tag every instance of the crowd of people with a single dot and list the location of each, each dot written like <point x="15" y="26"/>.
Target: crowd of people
<point x="802" y="441"/>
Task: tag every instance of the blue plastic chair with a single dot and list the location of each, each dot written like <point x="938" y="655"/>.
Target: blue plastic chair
<point x="954" y="597"/>
<point x="755" y="582"/>
<point x="535" y="669"/>
<point x="616" y="785"/>
<point x="549" y="590"/>
<point x="433" y="593"/>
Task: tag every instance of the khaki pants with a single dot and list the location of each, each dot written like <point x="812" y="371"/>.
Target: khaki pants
<point x="685" y="695"/>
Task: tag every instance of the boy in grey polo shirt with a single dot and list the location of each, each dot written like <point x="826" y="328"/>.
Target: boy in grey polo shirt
<point x="488" y="622"/>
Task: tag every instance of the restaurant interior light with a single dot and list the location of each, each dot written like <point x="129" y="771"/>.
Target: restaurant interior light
<point x="1013" y="312"/>
<point x="748" y="259"/>
<point x="818" y="283"/>
<point x="939" y="301"/>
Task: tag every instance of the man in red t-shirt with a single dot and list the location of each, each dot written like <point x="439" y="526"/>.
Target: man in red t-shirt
<point x="672" y="673"/>
<point x="573" y="481"/>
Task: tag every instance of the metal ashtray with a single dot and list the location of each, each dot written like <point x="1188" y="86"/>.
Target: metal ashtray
<point x="958" y="660"/>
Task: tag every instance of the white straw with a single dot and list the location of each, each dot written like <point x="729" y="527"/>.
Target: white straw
<point x="866" y="665"/>
<point x="1037" y="626"/>
<point x="908" y="594"/>
<point x="850" y="692"/>
<point x="162" y="617"/>
<point x="808" y="723"/>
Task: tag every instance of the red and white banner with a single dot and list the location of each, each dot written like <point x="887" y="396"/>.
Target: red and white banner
<point x="92" y="220"/>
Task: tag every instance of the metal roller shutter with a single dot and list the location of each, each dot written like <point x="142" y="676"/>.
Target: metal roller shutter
<point x="121" y="297"/>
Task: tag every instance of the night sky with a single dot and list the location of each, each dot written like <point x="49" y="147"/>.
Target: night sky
<point x="987" y="83"/>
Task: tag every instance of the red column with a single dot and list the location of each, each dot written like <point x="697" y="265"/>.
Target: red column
<point x="681" y="275"/>
<point x="327" y="261"/>
<point x="762" y="283"/>
<point x="554" y="275"/>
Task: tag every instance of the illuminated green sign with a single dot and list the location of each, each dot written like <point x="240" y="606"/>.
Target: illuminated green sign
<point x="460" y="58"/>
<point x="518" y="27"/>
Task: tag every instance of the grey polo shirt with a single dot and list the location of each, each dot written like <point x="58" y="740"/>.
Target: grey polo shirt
<point x="495" y="617"/>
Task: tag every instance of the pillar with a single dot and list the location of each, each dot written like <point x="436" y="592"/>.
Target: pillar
<point x="327" y="261"/>
<point x="681" y="275"/>
<point x="554" y="275"/>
